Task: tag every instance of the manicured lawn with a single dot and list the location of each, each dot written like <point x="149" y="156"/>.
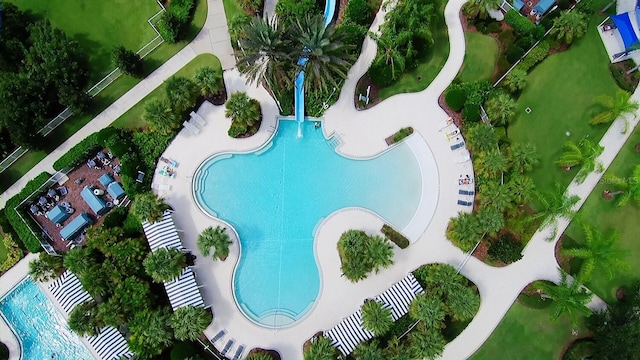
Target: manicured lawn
<point x="418" y="79"/>
<point x="527" y="334"/>
<point x="103" y="100"/>
<point x="560" y="92"/>
<point x="232" y="9"/>
<point x="606" y="216"/>
<point x="133" y="119"/>
<point x="481" y="53"/>
<point x="98" y="26"/>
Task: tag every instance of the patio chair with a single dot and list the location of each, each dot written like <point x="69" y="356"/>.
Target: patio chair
<point x="140" y="177"/>
<point x="227" y="347"/>
<point x="192" y="128"/>
<point x="63" y="190"/>
<point x="218" y="336"/>
<point x="197" y="118"/>
<point x="457" y="146"/>
<point x="465" y="203"/>
<point x="466" y="192"/>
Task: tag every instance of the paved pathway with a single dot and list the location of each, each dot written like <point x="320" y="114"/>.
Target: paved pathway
<point x="213" y="38"/>
<point x="363" y="133"/>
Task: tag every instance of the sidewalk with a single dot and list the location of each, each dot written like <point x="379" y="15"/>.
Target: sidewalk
<point x="213" y="38"/>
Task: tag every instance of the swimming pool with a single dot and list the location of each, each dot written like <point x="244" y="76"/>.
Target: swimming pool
<point x="275" y="198"/>
<point x="40" y="328"/>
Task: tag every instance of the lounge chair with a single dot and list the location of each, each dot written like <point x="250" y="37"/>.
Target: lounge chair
<point x="192" y="128"/>
<point x="161" y="187"/>
<point x="218" y="336"/>
<point x="227" y="347"/>
<point x="465" y="203"/>
<point x="457" y="146"/>
<point x="140" y="177"/>
<point x="462" y="158"/>
<point x="239" y="351"/>
<point x="466" y="192"/>
<point x="197" y="118"/>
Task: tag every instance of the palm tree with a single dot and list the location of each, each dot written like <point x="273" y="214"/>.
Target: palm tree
<point x="491" y="220"/>
<point x="375" y="318"/>
<point x="379" y="253"/>
<point x="151" y="332"/>
<point x="481" y="137"/>
<point x="243" y="109"/>
<point x="160" y="116"/>
<point x="46" y="267"/>
<point x="189" y="322"/>
<point x="585" y="154"/>
<point x="148" y="207"/>
<point x="426" y="343"/>
<point x="495" y="195"/>
<point x="464" y="231"/>
<point x="463" y="303"/>
<point x="83" y="319"/>
<point x="516" y="80"/>
<point x="615" y="107"/>
<point x="259" y="355"/>
<point x="110" y="313"/>
<point x="628" y="188"/>
<point x="369" y="351"/>
<point x="79" y="260"/>
<point x="442" y="280"/>
<point x="599" y="252"/>
<point x="328" y="59"/>
<point x="492" y="163"/>
<point x="570" y="25"/>
<point x="164" y="264"/>
<point x="523" y="156"/>
<point x="395" y="350"/>
<point x="388" y="49"/>
<point x="216" y="238"/>
<point x="480" y="8"/>
<point x="319" y="348"/>
<point x="568" y="297"/>
<point x="428" y="309"/>
<point x="265" y="53"/>
<point x="501" y="109"/>
<point x="555" y="204"/>
<point x="522" y="189"/>
<point x="208" y="80"/>
<point x="180" y="92"/>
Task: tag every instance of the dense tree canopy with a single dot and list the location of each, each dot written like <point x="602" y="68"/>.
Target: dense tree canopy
<point x="361" y="253"/>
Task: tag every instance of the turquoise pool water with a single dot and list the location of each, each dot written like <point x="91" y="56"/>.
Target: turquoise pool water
<point x="39" y="326"/>
<point x="275" y="198"/>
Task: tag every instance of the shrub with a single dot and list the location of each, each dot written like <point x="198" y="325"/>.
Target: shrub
<point x="514" y="54"/>
<point x="128" y="61"/>
<point x="14" y="253"/>
<point x="132" y="225"/>
<point x="253" y="6"/>
<point x="359" y="12"/>
<point x="564" y="4"/>
<point x="455" y="97"/>
<point x="536" y="55"/>
<point x="618" y="76"/>
<point x="402" y="133"/>
<point x="507" y="249"/>
<point x="471" y="112"/>
<point x="174" y="23"/>
<point x="396" y="237"/>
<point x="23" y="228"/>
<point x="585" y="7"/>
<point x="79" y="153"/>
<point x="380" y="73"/>
<point x="184" y="351"/>
<point x="353" y="34"/>
<point x="494" y="27"/>
<point x="525" y="42"/>
<point x="289" y="10"/>
<point x="522" y="25"/>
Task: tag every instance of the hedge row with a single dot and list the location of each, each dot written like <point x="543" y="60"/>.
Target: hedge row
<point x="395" y="236"/>
<point x="174" y="23"/>
<point x="522" y="25"/>
<point x="31" y="242"/>
<point x="536" y="55"/>
<point x="78" y="154"/>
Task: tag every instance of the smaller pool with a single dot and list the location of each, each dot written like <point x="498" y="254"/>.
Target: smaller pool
<point x="40" y="328"/>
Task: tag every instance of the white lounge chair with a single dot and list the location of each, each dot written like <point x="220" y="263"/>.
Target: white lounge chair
<point x="161" y="187"/>
<point x="197" y="118"/>
<point x="462" y="158"/>
<point x="192" y="128"/>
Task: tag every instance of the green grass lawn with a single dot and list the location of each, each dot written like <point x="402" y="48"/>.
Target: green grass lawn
<point x="419" y="78"/>
<point x="133" y="119"/>
<point x="103" y="100"/>
<point x="605" y="216"/>
<point x="98" y="26"/>
<point x="480" y="57"/>
<point x="232" y="9"/>
<point x="560" y="92"/>
<point x="527" y="334"/>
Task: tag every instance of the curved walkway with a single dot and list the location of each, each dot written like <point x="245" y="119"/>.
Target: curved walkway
<point x="363" y="134"/>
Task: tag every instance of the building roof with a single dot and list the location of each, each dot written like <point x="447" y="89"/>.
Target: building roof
<point x="544" y="5"/>
<point x="96" y="203"/>
<point x="105" y="179"/>
<point x="115" y="190"/>
<point x="76" y="225"/>
<point x="57" y="214"/>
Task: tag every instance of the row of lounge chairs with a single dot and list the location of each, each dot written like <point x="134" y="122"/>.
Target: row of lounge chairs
<point x="195" y="123"/>
<point x="228" y="345"/>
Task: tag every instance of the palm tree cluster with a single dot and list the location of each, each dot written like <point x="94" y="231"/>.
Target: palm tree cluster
<point x="360" y="254"/>
<point x="319" y="348"/>
<point x="46" y="267"/>
<point x="148" y="207"/>
<point x="271" y="50"/>
<point x="569" y="26"/>
<point x="165" y="114"/>
<point x="164" y="264"/>
<point x="480" y="8"/>
<point x="584" y="154"/>
<point x="245" y="114"/>
<point x="216" y="239"/>
<point x="404" y="39"/>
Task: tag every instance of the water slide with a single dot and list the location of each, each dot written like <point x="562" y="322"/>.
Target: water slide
<point x="329" y="10"/>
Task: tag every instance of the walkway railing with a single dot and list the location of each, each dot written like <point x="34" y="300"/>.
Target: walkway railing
<point x="93" y="91"/>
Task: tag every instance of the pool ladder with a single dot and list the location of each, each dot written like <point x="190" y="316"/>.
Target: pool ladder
<point x="334" y="141"/>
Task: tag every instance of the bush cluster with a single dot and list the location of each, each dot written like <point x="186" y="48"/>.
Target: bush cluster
<point x="506" y="249"/>
<point x="79" y="153"/>
<point x="290" y="10"/>
<point x="14" y="253"/>
<point x="359" y="12"/>
<point x="618" y="76"/>
<point x="401" y="134"/>
<point x="522" y="25"/>
<point x="174" y="23"/>
<point x="396" y="237"/>
<point x="536" y="55"/>
<point x="360" y="254"/>
<point x="30" y="241"/>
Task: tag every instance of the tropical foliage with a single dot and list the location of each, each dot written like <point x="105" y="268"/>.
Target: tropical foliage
<point x="216" y="238"/>
<point x="480" y="8"/>
<point x="83" y="319"/>
<point x="14" y="253"/>
<point x="570" y="25"/>
<point x="429" y="309"/>
<point x="319" y="348"/>
<point x="556" y="204"/>
<point x="481" y="137"/>
<point x="613" y="107"/>
<point x="46" y="267"/>
<point x="181" y="93"/>
<point x="160" y="116"/>
<point x="569" y="297"/>
<point x="361" y="254"/>
<point x="600" y="253"/>
<point x="189" y="322"/>
<point x="583" y="154"/>
<point x="245" y="114"/>
<point x="500" y="108"/>
<point x="128" y="61"/>
<point x="148" y="207"/>
<point x="375" y="318"/>
<point x="208" y="80"/>
<point x="164" y="264"/>
<point x="627" y="188"/>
